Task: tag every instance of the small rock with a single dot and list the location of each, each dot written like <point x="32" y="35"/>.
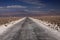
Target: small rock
<point x="5" y="25"/>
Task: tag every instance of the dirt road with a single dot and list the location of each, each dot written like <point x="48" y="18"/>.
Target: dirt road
<point x="26" y="30"/>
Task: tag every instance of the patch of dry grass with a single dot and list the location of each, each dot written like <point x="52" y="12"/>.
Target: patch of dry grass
<point x="50" y="19"/>
<point x="4" y="20"/>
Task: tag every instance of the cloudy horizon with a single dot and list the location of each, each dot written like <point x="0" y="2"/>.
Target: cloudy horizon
<point x="30" y="6"/>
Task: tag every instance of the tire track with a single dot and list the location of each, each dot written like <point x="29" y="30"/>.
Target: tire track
<point x="40" y="32"/>
<point x="13" y="32"/>
<point x="27" y="32"/>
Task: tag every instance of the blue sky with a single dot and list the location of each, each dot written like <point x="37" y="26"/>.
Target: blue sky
<point x="30" y="5"/>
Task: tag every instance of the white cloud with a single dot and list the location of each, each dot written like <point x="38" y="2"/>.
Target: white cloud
<point x="36" y="2"/>
<point x="29" y="0"/>
<point x="26" y="10"/>
<point x="13" y="6"/>
<point x="37" y="7"/>
<point x="31" y="10"/>
<point x="34" y="11"/>
<point x="16" y="6"/>
<point x="1" y="7"/>
<point x="52" y="9"/>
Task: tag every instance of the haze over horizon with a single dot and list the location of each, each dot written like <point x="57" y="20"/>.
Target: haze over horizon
<point x="17" y="7"/>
